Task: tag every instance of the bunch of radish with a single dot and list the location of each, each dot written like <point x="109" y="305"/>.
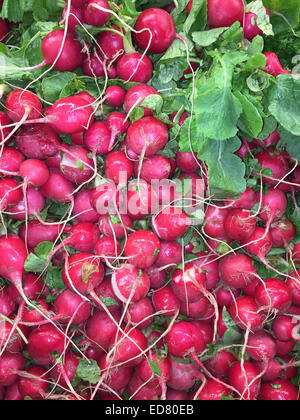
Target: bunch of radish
<point x="145" y="297"/>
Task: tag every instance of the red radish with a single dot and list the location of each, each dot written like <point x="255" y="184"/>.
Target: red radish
<point x="118" y="168"/>
<point x="77" y="138"/>
<point x="115" y="95"/>
<point x="128" y="345"/>
<point x="282" y="232"/>
<point x="10" y="365"/>
<point x="194" y="310"/>
<point x="214" y="223"/>
<point x="12" y="340"/>
<point x="35" y="205"/>
<point x="273" y="295"/>
<point x="142" y="248"/>
<point x="130" y="283"/>
<point x="210" y="266"/>
<point x="135" y="67"/>
<point x="206" y="331"/>
<point x="140" y="313"/>
<point x="237" y="270"/>
<point x="271" y="368"/>
<point x="107" y="249"/>
<point x="251" y="29"/>
<point x="62" y="51"/>
<point x="183" y="376"/>
<point x="4" y="130"/>
<point x="77" y="3"/>
<point x="33" y="316"/>
<point x="273" y="206"/>
<point x="118" y="124"/>
<point x="170" y="254"/>
<point x="38" y="232"/>
<point x="246" y="201"/>
<point x="114" y="227"/>
<point x="164" y="299"/>
<point x="145" y="373"/>
<point x="58" y="188"/>
<point x="155" y="31"/>
<point x="141" y="200"/>
<point x="76" y="165"/>
<point x="140" y="392"/>
<point x="284" y="347"/>
<point x="103" y="198"/>
<point x="72" y="308"/>
<point x="171" y="223"/>
<point x="83" y="209"/>
<point x="187" y="283"/>
<point x="37" y="141"/>
<point x="7" y="304"/>
<point x="104" y="291"/>
<point x="277" y="163"/>
<point x="10" y="192"/>
<point x="270" y="141"/>
<point x="273" y="65"/>
<point x="10" y="161"/>
<point x="153" y="169"/>
<point x="94" y="16"/>
<point x="260" y="243"/>
<point x="246" y="314"/>
<point x="34" y="385"/>
<point x="279" y="390"/>
<point x="136" y="96"/>
<point x="116" y="377"/>
<point x="70" y="365"/>
<point x="83" y="273"/>
<point x="147" y="136"/>
<point x="244" y="377"/>
<point x="97" y="138"/>
<point x="110" y="46"/>
<point x="23" y="104"/>
<point x="294" y="286"/>
<point x="75" y="17"/>
<point x="283" y="326"/>
<point x="92" y="66"/>
<point x="90" y="99"/>
<point x="213" y="391"/>
<point x="221" y="13"/>
<point x="44" y="342"/>
<point x="187" y="162"/>
<point x="4" y="29"/>
<point x="13" y="393"/>
<point x="239" y="224"/>
<point x="100" y="328"/>
<point x="220" y="363"/>
<point x="225" y="295"/>
<point x="184" y="339"/>
<point x="157" y="277"/>
<point x="33" y="288"/>
<point x="167" y="190"/>
<point x="34" y="172"/>
<point x="261" y="346"/>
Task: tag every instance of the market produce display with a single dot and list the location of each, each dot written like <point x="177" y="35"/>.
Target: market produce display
<point x="150" y="200"/>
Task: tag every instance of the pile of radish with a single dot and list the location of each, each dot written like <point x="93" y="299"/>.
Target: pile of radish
<point x="117" y="283"/>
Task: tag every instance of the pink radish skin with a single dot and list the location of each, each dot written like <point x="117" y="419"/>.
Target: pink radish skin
<point x="107" y="249"/>
<point x="210" y="266"/>
<point x="37" y="232"/>
<point x="246" y="202"/>
<point x="7" y="304"/>
<point x="183" y="376"/>
<point x="239" y="224"/>
<point x="118" y="168"/>
<point x="294" y="286"/>
<point x="118" y="124"/>
<point x="279" y="390"/>
<point x="140" y="313"/>
<point x="100" y="329"/>
<point x="116" y="377"/>
<point x="270" y="141"/>
<point x="195" y="310"/>
<point x="103" y="198"/>
<point x="10" y="161"/>
<point x="115" y="95"/>
<point x="10" y="193"/>
<point x="75" y="18"/>
<point x="219" y="364"/>
<point x="273" y="65"/>
<point x="33" y="288"/>
<point x="164" y="299"/>
<point x="214" y="224"/>
<point x="94" y="16"/>
<point x="261" y="346"/>
<point x="142" y="248"/>
<point x="187" y="162"/>
<point x="71" y="56"/>
<point x="19" y="101"/>
<point x="105" y="290"/>
<point x="171" y="223"/>
<point x="68" y="304"/>
<point x="213" y="391"/>
<point x="224" y="13"/>
<point x="260" y="243"/>
<point x="135" y="67"/>
<point x="282" y="232"/>
<point x="162" y="28"/>
<point x="237" y="270"/>
<point x="76" y="165"/>
<point x="97" y="138"/>
<point x="242" y="376"/>
<point x="36" y="385"/>
<point x="273" y="206"/>
<point x="34" y="172"/>
<point x="225" y="295"/>
<point x="129" y="347"/>
<point x="273" y="295"/>
<point x="157" y="278"/>
<point x="35" y="205"/>
<point x="37" y="141"/>
<point x="11" y="339"/>
<point x="139" y="392"/>
<point x="276" y="162"/>
<point x="154" y="168"/>
<point x="245" y="312"/>
<point x="170" y="254"/>
<point x="187" y="284"/>
<point x="130" y="283"/>
<point x="136" y="96"/>
<point x="34" y="317"/>
<point x="10" y="364"/>
<point x="12" y="393"/>
<point x="4" y="131"/>
<point x="92" y="66"/>
<point x="111" y="46"/>
<point x="84" y="271"/>
<point x="82" y="204"/>
<point x="282" y="327"/>
<point x="142" y="200"/>
<point x="114" y="227"/>
<point x="145" y="373"/>
<point x="184" y="339"/>
<point x="70" y="365"/>
<point x="58" y="188"/>
<point x="251" y="29"/>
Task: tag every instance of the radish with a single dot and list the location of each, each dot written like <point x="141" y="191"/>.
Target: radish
<point x="76" y="165"/>
<point x="38" y="232"/>
<point x="35" y="317"/>
<point x="157" y="277"/>
<point x="105" y="290"/>
<point x="136" y="96"/>
<point x="12" y="340"/>
<point x="142" y="248"/>
<point x="160" y="25"/>
<point x="270" y="141"/>
<point x="282" y="232"/>
<point x="184" y="339"/>
<point x="94" y="16"/>
<point x="107" y="249"/>
<point x="171" y="223"/>
<point x="170" y="254"/>
<point x="273" y="295"/>
<point x="213" y="391"/>
<point x="222" y="13"/>
<point x="210" y="266"/>
<point x="237" y="270"/>
<point x="239" y="225"/>
<point x="33" y="288"/>
<point x="145" y="373"/>
<point x="76" y="16"/>
<point x="153" y="169"/>
<point x="187" y="162"/>
<point x="194" y="310"/>
<point x="7" y="304"/>
<point x="92" y="66"/>
<point x="187" y="284"/>
<point x="58" y="188"/>
<point x="115" y="95"/>
<point x="126" y="347"/>
<point x="244" y="377"/>
<point x="276" y="162"/>
<point x="70" y="365"/>
<point x="140" y="392"/>
<point x="97" y="138"/>
<point x="83" y="209"/>
<point x="183" y="376"/>
<point x="279" y="390"/>
<point x="34" y="172"/>
<point x="100" y="328"/>
<point x="5" y="127"/>
<point x="71" y="308"/>
<point x="214" y="223"/>
<point x="118" y="124"/>
<point x="259" y="244"/>
<point x="10" y="192"/>
<point x="261" y="346"/>
<point x="246" y="314"/>
<point x="273" y="206"/>
<point x="164" y="299"/>
<point x="140" y="313"/>
<point x="294" y="286"/>
<point x="130" y="283"/>
<point x="147" y="136"/>
<point x="37" y="141"/>
<point x="103" y="198"/>
<point x="35" y="203"/>
<point x="21" y="104"/>
<point x="77" y="3"/>
<point x="251" y="29"/>
<point x="10" y="161"/>
<point x="220" y="363"/>
<point x="135" y="67"/>
<point x="10" y="365"/>
<point x="116" y="377"/>
<point x="35" y="385"/>
<point x="225" y="295"/>
<point x="114" y="227"/>
<point x="141" y="200"/>
<point x="110" y="45"/>
<point x="284" y="347"/>
<point x="82" y="273"/>
<point x="283" y="327"/>
<point x="246" y="201"/>
<point x="273" y="65"/>
<point x="118" y="168"/>
<point x="12" y="393"/>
